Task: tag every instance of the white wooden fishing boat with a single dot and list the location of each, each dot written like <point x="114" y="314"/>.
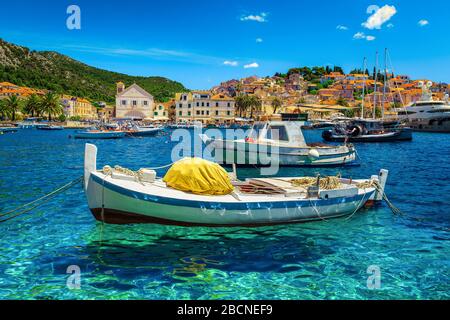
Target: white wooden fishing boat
<point x="118" y="198"/>
<point x="281" y="141"/>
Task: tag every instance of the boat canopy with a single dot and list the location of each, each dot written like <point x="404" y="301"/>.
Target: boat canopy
<point x="288" y="133"/>
<point x="198" y="176"/>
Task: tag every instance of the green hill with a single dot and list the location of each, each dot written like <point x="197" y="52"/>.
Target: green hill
<point x="62" y="74"/>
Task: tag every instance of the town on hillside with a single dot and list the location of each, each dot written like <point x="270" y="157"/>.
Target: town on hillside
<point x="319" y="92"/>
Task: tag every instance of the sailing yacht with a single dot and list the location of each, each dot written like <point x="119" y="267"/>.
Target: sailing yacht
<point x="427" y="114"/>
<point x="370" y="130"/>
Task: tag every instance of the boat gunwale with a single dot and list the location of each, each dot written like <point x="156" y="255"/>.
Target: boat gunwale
<point x="282" y="202"/>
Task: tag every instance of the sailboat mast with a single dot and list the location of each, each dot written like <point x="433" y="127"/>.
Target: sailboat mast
<point x="364" y="87"/>
<point x="385" y="84"/>
<point x="375" y="88"/>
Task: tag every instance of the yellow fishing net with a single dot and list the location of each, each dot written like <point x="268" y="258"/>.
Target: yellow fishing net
<point x="198" y="176"/>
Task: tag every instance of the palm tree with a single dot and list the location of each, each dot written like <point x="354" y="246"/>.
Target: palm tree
<point x="3" y="111"/>
<point x="51" y="105"/>
<point x="32" y="105"/>
<point x="11" y="106"/>
<point x="241" y="103"/>
<point x="276" y="104"/>
<point x="254" y="104"/>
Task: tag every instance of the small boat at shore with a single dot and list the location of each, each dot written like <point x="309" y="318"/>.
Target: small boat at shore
<point x="186" y="125"/>
<point x="31" y="123"/>
<point x="8" y="130"/>
<point x="50" y="128"/>
<point x="141" y="131"/>
<point x="99" y="134"/>
<point x="282" y="143"/>
<point x="122" y="196"/>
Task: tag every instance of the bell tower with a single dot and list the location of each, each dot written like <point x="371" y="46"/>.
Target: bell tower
<point x="120" y="87"/>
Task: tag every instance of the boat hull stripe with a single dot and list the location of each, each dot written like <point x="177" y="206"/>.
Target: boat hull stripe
<point x="292" y="203"/>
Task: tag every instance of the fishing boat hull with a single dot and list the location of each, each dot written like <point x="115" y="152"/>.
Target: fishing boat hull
<point x="144" y="132"/>
<point x="401" y="135"/>
<point x="119" y="201"/>
<point x="100" y="135"/>
<point x="111" y="203"/>
<point x="249" y="154"/>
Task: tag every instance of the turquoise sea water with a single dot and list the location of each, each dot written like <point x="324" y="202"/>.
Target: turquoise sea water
<point x="321" y="260"/>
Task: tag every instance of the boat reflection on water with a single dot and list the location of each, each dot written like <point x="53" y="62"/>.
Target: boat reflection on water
<point x="186" y="253"/>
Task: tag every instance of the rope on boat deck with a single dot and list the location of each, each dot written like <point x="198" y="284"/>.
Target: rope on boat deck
<point x="365" y="185"/>
<point x="27" y="207"/>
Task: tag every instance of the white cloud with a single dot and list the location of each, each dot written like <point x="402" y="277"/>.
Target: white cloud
<point x="390" y="25"/>
<point x="259" y="40"/>
<point x="262" y="17"/>
<point x="161" y="54"/>
<point x="362" y="35"/>
<point x="251" y="65"/>
<point x="359" y="35"/>
<point x="230" y="63"/>
<point x="379" y="17"/>
<point x="423" y="23"/>
<point x="341" y="27"/>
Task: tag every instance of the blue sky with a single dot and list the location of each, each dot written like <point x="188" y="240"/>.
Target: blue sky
<point x="203" y="42"/>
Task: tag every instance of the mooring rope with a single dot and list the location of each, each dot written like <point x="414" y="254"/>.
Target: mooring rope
<point x="27" y="207"/>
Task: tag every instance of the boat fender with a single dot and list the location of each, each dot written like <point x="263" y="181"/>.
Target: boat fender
<point x="313" y="153"/>
<point x="355" y="131"/>
<point x="147" y="175"/>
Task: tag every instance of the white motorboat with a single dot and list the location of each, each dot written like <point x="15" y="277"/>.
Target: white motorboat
<point x="281" y="142"/>
<point x="123" y="197"/>
<point x="427" y="114"/>
<point x="140" y="131"/>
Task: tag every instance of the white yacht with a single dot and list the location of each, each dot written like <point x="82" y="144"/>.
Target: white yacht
<point x="427" y="114"/>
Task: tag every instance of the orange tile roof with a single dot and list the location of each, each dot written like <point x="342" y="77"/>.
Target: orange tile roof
<point x="7" y="84"/>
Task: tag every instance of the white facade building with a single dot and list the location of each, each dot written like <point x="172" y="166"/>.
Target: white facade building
<point x="133" y="102"/>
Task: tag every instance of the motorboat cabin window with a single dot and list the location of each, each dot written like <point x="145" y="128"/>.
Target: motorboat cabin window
<point x="438" y="111"/>
<point x="404" y="113"/>
<point x="277" y="133"/>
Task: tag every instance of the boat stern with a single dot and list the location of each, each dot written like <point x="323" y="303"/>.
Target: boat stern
<point x="380" y="180"/>
<point x="90" y="162"/>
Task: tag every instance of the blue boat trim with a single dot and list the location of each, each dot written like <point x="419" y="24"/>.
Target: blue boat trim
<point x="295" y="203"/>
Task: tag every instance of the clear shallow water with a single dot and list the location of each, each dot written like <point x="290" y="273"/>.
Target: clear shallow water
<point x="323" y="260"/>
